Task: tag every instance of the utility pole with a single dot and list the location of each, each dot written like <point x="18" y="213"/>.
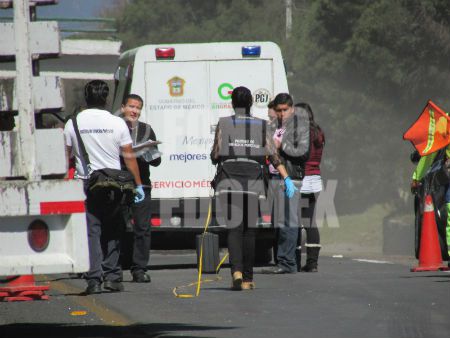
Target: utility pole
<point x="24" y="89"/>
<point x="288" y="4"/>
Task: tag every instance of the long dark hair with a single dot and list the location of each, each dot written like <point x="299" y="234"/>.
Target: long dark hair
<point x="317" y="134"/>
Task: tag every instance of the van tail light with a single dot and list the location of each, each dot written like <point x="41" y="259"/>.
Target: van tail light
<point x="155" y="221"/>
<point x="38" y="235"/>
<point x="165" y="53"/>
<point x="266" y="218"/>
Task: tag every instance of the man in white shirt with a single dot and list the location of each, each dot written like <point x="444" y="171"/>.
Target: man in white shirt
<point x="105" y="138"/>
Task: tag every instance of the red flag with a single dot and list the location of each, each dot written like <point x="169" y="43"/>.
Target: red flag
<point x="431" y="131"/>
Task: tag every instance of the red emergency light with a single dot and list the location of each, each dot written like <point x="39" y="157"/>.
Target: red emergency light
<point x="165" y="53"/>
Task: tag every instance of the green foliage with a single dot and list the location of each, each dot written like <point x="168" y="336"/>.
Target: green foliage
<point x="367" y="67"/>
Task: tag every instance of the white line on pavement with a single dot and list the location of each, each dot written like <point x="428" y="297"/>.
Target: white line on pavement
<point x="371" y="261"/>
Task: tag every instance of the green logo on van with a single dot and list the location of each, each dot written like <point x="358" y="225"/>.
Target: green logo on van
<point x="225" y="90"/>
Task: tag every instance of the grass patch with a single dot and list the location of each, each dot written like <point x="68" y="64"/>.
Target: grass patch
<point x="360" y="232"/>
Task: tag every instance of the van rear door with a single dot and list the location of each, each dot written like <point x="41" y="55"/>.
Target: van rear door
<point x="183" y="102"/>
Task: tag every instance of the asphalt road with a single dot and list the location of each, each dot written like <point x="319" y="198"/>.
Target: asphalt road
<point x="346" y="298"/>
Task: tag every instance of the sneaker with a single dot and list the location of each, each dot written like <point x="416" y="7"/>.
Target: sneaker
<point x="141" y="277"/>
<point x="276" y="270"/>
<point x="93" y="287"/>
<point x="237" y="281"/>
<point x="248" y="285"/>
<point x="113" y="286"/>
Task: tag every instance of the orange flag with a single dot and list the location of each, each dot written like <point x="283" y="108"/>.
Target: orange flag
<point x="431" y="131"/>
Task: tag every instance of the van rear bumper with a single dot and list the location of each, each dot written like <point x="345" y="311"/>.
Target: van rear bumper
<point x="192" y="214"/>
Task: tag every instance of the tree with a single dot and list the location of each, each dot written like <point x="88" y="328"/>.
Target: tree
<point x="367" y="68"/>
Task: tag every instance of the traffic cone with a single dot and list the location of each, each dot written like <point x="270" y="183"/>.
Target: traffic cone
<point x="22" y="288"/>
<point x="430" y="258"/>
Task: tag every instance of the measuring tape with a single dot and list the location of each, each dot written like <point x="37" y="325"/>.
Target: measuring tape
<point x="199" y="281"/>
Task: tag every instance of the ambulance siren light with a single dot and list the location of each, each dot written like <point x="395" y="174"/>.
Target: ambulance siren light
<point x="165" y="53"/>
<point x="251" y="51"/>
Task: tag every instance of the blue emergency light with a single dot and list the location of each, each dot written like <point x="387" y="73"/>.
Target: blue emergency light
<point x="251" y="51"/>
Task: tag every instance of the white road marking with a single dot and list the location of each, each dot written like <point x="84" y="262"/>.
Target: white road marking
<point x="371" y="261"/>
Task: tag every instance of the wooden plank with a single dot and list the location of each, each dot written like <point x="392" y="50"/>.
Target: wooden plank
<point x="9" y="3"/>
<point x="44" y="39"/>
<point x="47" y="93"/>
<point x="50" y="153"/>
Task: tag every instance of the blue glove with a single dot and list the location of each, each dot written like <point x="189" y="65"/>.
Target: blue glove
<point x="140" y="195"/>
<point x="290" y="187"/>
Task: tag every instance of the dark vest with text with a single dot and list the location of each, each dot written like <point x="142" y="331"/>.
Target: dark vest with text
<point x="243" y="139"/>
<point x="243" y="136"/>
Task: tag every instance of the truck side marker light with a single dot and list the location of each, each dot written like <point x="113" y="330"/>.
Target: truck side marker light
<point x="165" y="53"/>
<point x="38" y="235"/>
<point x="251" y="51"/>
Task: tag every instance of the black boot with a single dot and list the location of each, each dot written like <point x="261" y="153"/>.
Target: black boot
<point x="312" y="256"/>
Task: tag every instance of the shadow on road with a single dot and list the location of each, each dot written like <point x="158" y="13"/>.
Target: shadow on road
<point x="446" y="277"/>
<point x="99" y="331"/>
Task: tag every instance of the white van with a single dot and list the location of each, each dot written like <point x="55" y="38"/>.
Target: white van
<point x="186" y="89"/>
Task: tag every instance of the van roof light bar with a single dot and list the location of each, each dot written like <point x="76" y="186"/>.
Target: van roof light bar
<point x="251" y="51"/>
<point x="165" y="53"/>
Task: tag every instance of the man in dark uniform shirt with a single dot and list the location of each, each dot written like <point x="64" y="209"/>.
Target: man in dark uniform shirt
<point x="141" y="212"/>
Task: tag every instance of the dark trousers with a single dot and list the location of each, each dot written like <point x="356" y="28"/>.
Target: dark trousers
<point x="142" y="234"/>
<point x="105" y="228"/>
<point x="240" y="212"/>
<point x="309" y="220"/>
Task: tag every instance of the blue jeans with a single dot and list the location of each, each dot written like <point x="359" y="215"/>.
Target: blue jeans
<point x="287" y="220"/>
<point x="142" y="233"/>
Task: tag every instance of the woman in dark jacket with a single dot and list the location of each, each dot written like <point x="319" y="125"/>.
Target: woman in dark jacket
<point x="240" y="147"/>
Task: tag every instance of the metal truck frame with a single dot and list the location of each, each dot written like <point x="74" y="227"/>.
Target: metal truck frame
<point x="42" y="215"/>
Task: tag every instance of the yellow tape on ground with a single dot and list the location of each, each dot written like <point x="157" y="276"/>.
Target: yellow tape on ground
<point x="199" y="281"/>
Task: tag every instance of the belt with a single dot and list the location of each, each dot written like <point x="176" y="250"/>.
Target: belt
<point x="243" y="159"/>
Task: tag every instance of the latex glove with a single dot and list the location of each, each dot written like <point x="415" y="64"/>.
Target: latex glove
<point x="140" y="195"/>
<point x="290" y="187"/>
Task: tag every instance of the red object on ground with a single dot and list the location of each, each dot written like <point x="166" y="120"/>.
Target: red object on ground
<point x="22" y="288"/>
<point x="430" y="258"/>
